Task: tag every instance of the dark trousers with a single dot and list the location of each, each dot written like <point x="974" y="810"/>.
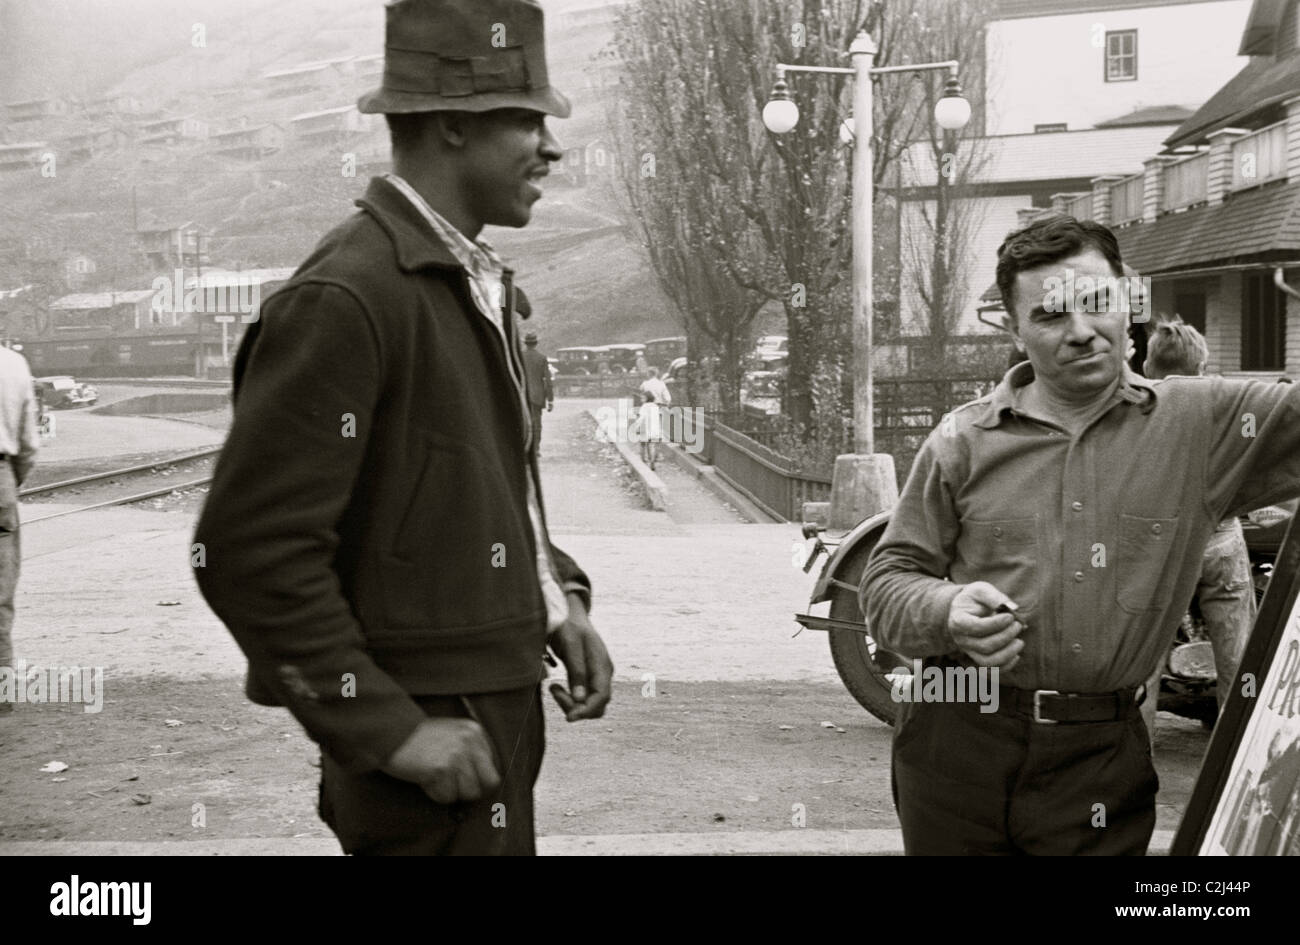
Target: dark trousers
<point x="535" y="411"/>
<point x="971" y="783"/>
<point x="374" y="814"/>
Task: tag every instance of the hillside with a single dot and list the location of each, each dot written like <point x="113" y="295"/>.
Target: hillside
<point x="589" y="283"/>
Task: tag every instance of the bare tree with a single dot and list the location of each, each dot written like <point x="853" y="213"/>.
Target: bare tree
<point x="938" y="247"/>
<point x="771" y="212"/>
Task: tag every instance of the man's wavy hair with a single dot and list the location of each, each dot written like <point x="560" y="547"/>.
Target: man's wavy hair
<point x="1048" y="240"/>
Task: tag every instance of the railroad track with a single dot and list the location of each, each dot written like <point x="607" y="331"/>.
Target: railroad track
<point x="143" y="470"/>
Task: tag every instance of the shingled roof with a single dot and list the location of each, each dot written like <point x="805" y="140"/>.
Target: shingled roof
<point x="1261" y="225"/>
<point x="1262" y="84"/>
<point x="1153" y="115"/>
<point x="1258" y="226"/>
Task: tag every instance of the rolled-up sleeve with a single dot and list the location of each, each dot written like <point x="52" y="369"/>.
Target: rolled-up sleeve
<point x="268" y="534"/>
<point x="904" y="593"/>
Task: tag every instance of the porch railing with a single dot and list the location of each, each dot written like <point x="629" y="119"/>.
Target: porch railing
<point x="1259" y="157"/>
<point x="1185" y="182"/>
<point x="1126" y="200"/>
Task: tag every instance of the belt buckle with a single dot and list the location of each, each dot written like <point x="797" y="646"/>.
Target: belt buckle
<point x="1038" y="706"/>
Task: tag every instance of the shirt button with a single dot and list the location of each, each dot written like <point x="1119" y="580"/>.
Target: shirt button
<point x="997" y="533"/>
<point x="1078" y="576"/>
<point x="1155" y="529"/>
<point x="1077" y="647"/>
<point x="1077" y="506"/>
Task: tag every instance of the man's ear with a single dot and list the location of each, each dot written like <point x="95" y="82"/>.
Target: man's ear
<point x="451" y="129"/>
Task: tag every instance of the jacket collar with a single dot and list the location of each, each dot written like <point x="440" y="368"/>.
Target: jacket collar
<point x="414" y="241"/>
<point x="1133" y="389"/>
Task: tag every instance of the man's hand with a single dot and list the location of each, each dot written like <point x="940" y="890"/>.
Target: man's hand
<point x="989" y="638"/>
<point x="550" y="407"/>
<point x="584" y="655"/>
<point x="450" y="758"/>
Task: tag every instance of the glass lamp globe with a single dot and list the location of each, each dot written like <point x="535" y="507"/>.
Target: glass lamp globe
<point x="952" y="112"/>
<point x="780" y="115"/>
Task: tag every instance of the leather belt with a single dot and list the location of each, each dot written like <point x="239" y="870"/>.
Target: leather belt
<point x="1048" y="706"/>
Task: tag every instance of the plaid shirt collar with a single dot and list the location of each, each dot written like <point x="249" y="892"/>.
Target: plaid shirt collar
<point x="480" y="260"/>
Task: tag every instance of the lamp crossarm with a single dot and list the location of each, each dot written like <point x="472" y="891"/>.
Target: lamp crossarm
<point x="950" y="64"/>
<point x="782" y="67"/>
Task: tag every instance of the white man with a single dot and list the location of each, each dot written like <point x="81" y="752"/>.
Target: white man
<point x="374" y="537"/>
<point x="1225" y="591"/>
<point x="19" y="440"/>
<point x="1053" y="531"/>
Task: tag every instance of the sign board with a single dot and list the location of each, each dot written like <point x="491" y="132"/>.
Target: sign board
<point x="1247" y="798"/>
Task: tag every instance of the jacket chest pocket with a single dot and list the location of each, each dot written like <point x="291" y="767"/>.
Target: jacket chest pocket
<point x="1005" y="553"/>
<point x="1144" y="548"/>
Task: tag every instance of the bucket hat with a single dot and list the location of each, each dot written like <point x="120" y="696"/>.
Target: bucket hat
<point x="464" y="55"/>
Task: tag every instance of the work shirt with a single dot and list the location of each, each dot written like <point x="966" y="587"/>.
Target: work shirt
<point x="486" y="273"/>
<point x="19" y="433"/>
<point x="1097" y="536"/>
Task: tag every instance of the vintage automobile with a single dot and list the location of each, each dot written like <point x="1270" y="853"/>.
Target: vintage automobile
<point x="760" y="392"/>
<point x="623" y="357"/>
<point x="578" y="360"/>
<point x="662" y="352"/>
<point x="769" y="346"/>
<point x="64" y="391"/>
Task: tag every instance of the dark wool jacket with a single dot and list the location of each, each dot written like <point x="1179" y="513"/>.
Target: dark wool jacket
<point x="367" y="535"/>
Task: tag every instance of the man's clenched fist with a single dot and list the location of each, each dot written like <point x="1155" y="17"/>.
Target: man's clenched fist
<point x="450" y="758"/>
<point x="986" y="636"/>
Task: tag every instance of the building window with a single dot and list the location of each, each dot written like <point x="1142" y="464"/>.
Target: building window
<point x="1122" y="56"/>
<point x="1046" y="129"/>
<point x="1263" y="324"/>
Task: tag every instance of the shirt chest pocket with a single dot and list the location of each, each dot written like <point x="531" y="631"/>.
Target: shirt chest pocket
<point x="1006" y="554"/>
<point x="1144" y="548"/>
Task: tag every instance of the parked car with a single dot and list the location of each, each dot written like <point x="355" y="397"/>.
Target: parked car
<point x="772" y="346"/>
<point x="662" y="352"/>
<point x="64" y="391"/>
<point x="760" y="391"/>
<point x="622" y="357"/>
<point x="578" y="360"/>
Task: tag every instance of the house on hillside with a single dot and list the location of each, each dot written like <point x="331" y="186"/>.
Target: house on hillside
<point x="172" y="130"/>
<point x="35" y="110"/>
<point x="1214" y="219"/>
<point x="24" y="156"/>
<point x="582" y="163"/>
<point x="331" y="124"/>
<point x="248" y="143"/>
<point x="368" y="67"/>
<point x="165" y="247"/>
<point x="324" y="75"/>
<point x="113" y="106"/>
<point x="87" y="144"/>
<point x="1079" y="94"/>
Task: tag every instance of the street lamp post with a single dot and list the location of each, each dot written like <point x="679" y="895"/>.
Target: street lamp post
<point x="864" y="482"/>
